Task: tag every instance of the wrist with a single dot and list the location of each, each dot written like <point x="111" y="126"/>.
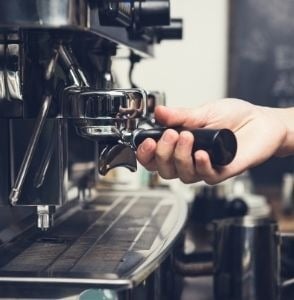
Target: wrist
<point x="286" y="117"/>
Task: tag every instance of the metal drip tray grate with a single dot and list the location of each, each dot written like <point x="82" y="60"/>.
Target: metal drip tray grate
<point x="111" y="240"/>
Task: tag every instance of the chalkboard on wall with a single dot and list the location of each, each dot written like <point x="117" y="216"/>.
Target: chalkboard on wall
<point x="261" y="64"/>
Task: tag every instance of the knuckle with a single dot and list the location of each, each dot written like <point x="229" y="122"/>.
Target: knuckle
<point x="162" y="157"/>
<point x="188" y="177"/>
<point x="167" y="175"/>
<point x="187" y="180"/>
<point x="179" y="158"/>
<point x="212" y="181"/>
<point x="143" y="159"/>
<point x="150" y="168"/>
<point x="183" y="161"/>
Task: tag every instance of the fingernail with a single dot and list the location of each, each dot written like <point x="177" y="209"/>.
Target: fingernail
<point x="199" y="157"/>
<point x="145" y="147"/>
<point x="182" y="140"/>
<point x="167" y="138"/>
<point x="185" y="138"/>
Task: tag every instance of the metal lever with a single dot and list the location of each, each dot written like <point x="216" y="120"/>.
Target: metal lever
<point x="221" y="144"/>
<point x="21" y="176"/>
<point x="41" y="118"/>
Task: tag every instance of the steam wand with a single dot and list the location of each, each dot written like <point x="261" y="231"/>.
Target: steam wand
<point x="43" y="211"/>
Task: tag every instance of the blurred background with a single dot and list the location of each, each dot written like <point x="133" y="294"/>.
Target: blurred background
<point x="193" y="70"/>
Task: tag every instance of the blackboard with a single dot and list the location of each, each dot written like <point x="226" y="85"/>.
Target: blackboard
<point x="261" y="64"/>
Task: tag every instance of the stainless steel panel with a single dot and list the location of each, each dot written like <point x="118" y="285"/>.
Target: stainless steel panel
<point x="48" y="169"/>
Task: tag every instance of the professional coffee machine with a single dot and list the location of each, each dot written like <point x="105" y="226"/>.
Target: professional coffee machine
<point x="64" y="123"/>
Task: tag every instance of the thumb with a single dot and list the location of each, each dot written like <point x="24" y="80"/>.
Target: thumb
<point x="181" y="116"/>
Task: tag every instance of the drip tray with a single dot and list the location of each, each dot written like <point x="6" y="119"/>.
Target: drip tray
<point x="114" y="241"/>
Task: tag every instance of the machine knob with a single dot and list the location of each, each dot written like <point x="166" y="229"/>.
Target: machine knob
<point x="116" y="13"/>
<point x="152" y="13"/>
<point x="134" y="14"/>
<point x="172" y="32"/>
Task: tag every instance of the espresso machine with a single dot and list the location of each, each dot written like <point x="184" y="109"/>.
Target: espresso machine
<point x="64" y="125"/>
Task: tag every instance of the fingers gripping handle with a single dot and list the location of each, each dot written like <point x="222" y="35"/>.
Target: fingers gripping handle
<point x="220" y="144"/>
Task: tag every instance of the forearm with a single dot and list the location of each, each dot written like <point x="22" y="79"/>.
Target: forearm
<point x="286" y="116"/>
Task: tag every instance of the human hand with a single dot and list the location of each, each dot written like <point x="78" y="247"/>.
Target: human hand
<point x="258" y="130"/>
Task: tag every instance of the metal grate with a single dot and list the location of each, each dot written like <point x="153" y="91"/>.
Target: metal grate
<point x="93" y="241"/>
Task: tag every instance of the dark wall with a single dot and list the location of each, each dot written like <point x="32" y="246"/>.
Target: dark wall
<point x="261" y="64"/>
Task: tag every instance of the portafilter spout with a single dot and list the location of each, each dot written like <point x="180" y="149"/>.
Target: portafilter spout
<point x="107" y="117"/>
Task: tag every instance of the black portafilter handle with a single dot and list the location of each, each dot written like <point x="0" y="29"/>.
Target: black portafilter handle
<point x="220" y="144"/>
